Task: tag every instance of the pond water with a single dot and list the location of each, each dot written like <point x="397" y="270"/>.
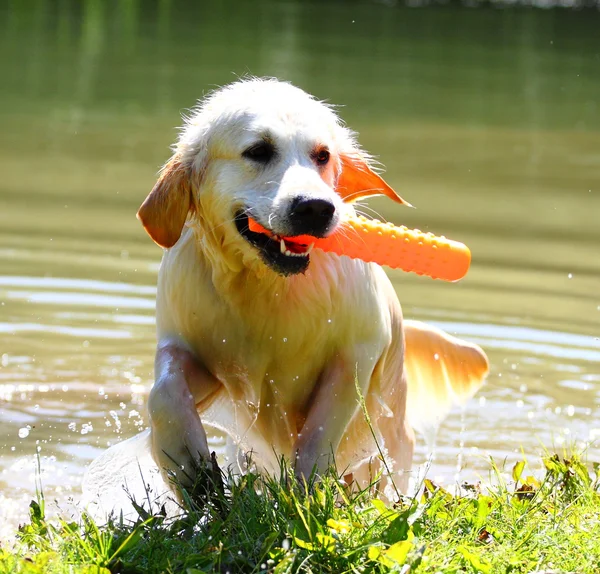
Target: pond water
<point x="488" y="120"/>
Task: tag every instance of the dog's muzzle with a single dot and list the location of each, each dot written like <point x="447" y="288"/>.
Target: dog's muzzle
<point x="282" y="255"/>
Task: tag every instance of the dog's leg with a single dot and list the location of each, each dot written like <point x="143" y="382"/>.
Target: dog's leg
<point x="331" y="409"/>
<point x="399" y="443"/>
<point x="394" y="437"/>
<point x="178" y="437"/>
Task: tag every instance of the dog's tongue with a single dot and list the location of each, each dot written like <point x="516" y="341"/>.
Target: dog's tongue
<point x="299" y="249"/>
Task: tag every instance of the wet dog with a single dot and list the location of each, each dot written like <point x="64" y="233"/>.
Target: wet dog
<point x="267" y="339"/>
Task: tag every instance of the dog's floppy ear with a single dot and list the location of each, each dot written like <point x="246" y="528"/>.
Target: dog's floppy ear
<point x="165" y="210"/>
<point x="358" y="180"/>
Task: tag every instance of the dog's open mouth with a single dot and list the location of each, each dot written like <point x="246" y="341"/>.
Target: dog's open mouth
<point x="283" y="255"/>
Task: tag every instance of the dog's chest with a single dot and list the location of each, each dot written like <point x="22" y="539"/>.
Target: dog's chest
<point x="272" y="357"/>
<point x="268" y="367"/>
<point x="269" y="346"/>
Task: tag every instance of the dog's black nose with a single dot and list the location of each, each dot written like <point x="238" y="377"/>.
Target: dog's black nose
<point x="310" y="216"/>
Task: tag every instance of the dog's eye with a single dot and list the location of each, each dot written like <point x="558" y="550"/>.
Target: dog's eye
<point x="322" y="156"/>
<point x="261" y="152"/>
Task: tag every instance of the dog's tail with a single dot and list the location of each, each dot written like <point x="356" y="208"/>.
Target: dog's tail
<point x="441" y="371"/>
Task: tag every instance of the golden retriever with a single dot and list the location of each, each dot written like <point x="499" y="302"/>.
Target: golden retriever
<point x="267" y="340"/>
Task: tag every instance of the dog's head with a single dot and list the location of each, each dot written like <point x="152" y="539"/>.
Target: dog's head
<point x="268" y="150"/>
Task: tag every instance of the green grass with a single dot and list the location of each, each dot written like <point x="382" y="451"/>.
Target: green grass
<point x="278" y="525"/>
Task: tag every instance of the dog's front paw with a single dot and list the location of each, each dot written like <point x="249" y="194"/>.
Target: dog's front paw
<point x="180" y="448"/>
<point x="195" y="471"/>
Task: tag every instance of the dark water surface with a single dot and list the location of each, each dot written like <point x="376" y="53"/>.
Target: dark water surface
<point x="488" y="121"/>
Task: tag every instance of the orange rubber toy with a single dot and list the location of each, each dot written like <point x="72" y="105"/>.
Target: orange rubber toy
<point x="397" y="247"/>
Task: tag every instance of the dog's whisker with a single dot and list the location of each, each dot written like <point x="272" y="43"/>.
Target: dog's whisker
<point x="346" y="232"/>
<point x="363" y="206"/>
<point x="375" y="190"/>
<point x="373" y="215"/>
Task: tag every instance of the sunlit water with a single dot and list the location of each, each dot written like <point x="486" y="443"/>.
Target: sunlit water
<point x="487" y="120"/>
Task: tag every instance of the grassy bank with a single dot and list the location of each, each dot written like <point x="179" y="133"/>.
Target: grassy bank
<point x="544" y="524"/>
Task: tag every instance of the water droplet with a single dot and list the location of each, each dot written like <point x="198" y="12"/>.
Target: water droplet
<point x="23" y="432"/>
<point x="570" y="275"/>
<point x="285" y="339"/>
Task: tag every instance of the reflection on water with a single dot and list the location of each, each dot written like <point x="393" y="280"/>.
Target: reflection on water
<point x="487" y="120"/>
